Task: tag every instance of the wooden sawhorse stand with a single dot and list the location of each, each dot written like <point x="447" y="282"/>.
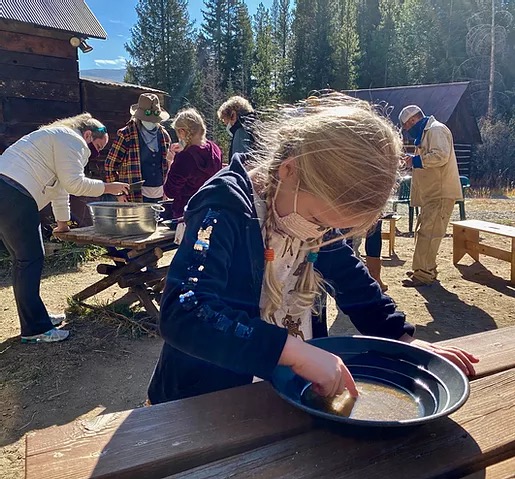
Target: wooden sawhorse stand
<point x="466" y="240"/>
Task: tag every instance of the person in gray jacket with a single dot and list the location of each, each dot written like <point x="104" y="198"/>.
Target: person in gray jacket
<point x="43" y="167"/>
<point x="237" y="115"/>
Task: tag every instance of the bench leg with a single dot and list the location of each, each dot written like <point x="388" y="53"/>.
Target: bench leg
<point x="512" y="278"/>
<point x="460" y="236"/>
<point x="410" y="218"/>
<point x="391" y="242"/>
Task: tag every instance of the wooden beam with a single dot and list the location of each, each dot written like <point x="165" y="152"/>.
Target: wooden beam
<point x="488" y="251"/>
<point x="17" y="72"/>
<point x="40" y="90"/>
<point x="20" y="42"/>
<point x="30" y="110"/>
<point x="38" y="61"/>
<point x="21" y="27"/>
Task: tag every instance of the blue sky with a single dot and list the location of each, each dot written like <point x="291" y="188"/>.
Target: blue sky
<point x="117" y="17"/>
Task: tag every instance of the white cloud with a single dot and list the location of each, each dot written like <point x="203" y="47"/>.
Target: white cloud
<point x="117" y="62"/>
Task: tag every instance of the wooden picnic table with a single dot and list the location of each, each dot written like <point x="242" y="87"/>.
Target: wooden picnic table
<point x="250" y="432"/>
<point x="134" y="261"/>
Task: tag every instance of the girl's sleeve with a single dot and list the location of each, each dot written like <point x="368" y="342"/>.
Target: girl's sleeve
<point x="195" y="317"/>
<point x="178" y="174"/>
<point x="359" y="296"/>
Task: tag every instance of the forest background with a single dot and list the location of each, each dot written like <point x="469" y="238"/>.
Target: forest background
<point x="281" y="54"/>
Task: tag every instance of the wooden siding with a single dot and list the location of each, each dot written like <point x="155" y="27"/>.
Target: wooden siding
<point x="39" y="79"/>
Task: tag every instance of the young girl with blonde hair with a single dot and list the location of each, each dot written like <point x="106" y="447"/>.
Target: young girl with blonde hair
<point x="196" y="159"/>
<point x="261" y="246"/>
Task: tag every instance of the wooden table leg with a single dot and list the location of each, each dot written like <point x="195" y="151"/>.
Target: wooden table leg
<point x="146" y="301"/>
<point x="137" y="264"/>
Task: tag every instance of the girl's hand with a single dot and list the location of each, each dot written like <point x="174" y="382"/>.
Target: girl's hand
<point x="330" y="377"/>
<point x="461" y="358"/>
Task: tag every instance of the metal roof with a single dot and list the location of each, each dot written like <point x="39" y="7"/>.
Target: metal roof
<point x="67" y="15"/>
<point x="448" y="102"/>
<point x="102" y="81"/>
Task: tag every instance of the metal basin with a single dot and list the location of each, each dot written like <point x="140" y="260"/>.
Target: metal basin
<point x="124" y="219"/>
<point x="433" y="385"/>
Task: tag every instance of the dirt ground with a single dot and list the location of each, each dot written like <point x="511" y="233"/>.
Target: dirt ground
<point x="99" y="370"/>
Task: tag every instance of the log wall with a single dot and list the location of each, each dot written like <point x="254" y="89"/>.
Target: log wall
<point x="39" y="79"/>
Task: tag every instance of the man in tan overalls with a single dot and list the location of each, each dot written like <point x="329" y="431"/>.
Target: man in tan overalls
<point x="435" y="187"/>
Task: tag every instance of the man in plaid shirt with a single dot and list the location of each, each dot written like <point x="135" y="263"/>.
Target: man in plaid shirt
<point x="140" y="151"/>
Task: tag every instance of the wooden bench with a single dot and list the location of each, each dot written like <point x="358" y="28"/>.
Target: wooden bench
<point x="251" y="432"/>
<point x="466" y="240"/>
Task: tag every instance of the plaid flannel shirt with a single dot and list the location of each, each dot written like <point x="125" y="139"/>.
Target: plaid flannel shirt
<point x="123" y="160"/>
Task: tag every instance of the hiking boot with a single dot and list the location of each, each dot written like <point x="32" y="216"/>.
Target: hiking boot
<point x="51" y="336"/>
<point x="57" y="319"/>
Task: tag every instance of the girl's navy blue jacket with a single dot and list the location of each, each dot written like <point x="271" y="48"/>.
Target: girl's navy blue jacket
<point x="210" y="317"/>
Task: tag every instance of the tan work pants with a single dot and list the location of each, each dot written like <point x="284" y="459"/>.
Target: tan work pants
<point x="431" y="227"/>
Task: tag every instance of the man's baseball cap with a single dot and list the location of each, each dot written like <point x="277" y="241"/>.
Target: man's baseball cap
<point x="408" y="111"/>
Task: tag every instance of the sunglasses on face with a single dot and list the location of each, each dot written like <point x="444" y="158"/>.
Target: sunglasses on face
<point x="154" y="112"/>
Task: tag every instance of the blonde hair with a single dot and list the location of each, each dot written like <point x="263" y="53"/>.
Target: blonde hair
<point x="236" y="104"/>
<point x="345" y="153"/>
<point x="192" y="122"/>
<point x="82" y="122"/>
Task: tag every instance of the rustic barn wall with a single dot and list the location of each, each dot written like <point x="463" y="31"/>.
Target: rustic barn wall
<point x="39" y="79"/>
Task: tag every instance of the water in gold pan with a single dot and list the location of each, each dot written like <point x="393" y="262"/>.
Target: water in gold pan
<point x="376" y="402"/>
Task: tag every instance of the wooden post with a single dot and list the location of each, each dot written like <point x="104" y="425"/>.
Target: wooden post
<point x="512" y="277"/>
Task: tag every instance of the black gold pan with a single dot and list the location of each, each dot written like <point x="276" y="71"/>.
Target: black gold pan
<point x="399" y="384"/>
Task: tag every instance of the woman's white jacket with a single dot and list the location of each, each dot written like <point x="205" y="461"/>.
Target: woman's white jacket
<point x="49" y="163"/>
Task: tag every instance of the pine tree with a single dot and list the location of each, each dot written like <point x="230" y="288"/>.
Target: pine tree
<point x="161" y="48"/>
<point x="262" y="70"/>
<point x="304" y="54"/>
<point x="345" y="38"/>
<point x="281" y="30"/>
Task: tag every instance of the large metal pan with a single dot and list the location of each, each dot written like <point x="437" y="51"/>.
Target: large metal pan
<point x="124" y="219"/>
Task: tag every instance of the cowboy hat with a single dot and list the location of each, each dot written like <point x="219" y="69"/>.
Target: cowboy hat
<point x="149" y="109"/>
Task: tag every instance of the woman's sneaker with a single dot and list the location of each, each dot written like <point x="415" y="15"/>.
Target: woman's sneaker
<point x="51" y="336"/>
<point x="57" y="319"/>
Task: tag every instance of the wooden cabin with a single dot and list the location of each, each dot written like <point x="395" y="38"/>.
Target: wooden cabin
<point x="39" y="73"/>
<point x="40" y="82"/>
<point x="449" y="103"/>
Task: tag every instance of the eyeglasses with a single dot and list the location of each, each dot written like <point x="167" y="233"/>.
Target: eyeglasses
<point x="150" y="112"/>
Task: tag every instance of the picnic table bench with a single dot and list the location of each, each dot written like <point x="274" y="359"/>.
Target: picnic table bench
<point x="466" y="239"/>
<point x="250" y="432"/>
<point x="134" y="261"/>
